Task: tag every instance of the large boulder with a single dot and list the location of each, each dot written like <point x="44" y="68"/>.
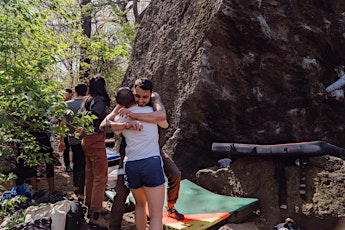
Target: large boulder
<point x="242" y="71"/>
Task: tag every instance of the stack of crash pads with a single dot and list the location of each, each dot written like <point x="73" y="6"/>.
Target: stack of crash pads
<point x="204" y="209"/>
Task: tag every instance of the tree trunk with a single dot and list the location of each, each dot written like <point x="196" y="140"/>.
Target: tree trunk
<point x="86" y="25"/>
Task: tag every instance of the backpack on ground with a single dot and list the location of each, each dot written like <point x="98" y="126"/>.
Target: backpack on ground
<point x="75" y="216"/>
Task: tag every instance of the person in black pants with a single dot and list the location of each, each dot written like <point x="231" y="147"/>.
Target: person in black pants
<point x="66" y="155"/>
<point x="74" y="143"/>
<point x="25" y="172"/>
<point x="68" y="97"/>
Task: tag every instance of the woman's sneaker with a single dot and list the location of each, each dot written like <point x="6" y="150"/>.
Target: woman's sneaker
<point x="99" y="220"/>
<point x="173" y="213"/>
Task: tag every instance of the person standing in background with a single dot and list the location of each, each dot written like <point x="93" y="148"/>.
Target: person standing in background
<point x="75" y="143"/>
<point x="68" y="96"/>
<point x="24" y="171"/>
<point x="96" y="168"/>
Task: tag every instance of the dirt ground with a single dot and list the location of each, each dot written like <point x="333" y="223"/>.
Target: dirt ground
<point x="64" y="182"/>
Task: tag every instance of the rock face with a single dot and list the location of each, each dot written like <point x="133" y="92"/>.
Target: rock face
<point x="243" y="71"/>
<point x="320" y="207"/>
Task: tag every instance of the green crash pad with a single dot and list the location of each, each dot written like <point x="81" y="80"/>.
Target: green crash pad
<point x="193" y="199"/>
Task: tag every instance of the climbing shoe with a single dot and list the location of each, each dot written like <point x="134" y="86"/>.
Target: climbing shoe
<point x="173" y="213"/>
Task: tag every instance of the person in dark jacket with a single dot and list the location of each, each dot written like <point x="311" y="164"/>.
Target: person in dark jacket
<point x="96" y="168"/>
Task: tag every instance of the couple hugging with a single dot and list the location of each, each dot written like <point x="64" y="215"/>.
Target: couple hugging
<point x="143" y="162"/>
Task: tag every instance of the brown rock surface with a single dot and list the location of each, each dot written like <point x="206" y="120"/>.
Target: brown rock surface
<point x="249" y="72"/>
<point x="241" y="71"/>
<point x="255" y="177"/>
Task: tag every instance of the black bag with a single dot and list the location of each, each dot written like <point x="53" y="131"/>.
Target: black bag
<point x="75" y="216"/>
<point x="40" y="224"/>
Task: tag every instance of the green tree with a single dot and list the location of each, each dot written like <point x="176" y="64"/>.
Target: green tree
<point x="28" y="98"/>
<point x="107" y="46"/>
<point x="40" y="52"/>
<point x="97" y="38"/>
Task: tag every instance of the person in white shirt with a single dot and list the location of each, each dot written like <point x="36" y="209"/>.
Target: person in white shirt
<point x="143" y="163"/>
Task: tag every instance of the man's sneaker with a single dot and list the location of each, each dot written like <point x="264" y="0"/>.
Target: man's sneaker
<point x="69" y="169"/>
<point x="173" y="213"/>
